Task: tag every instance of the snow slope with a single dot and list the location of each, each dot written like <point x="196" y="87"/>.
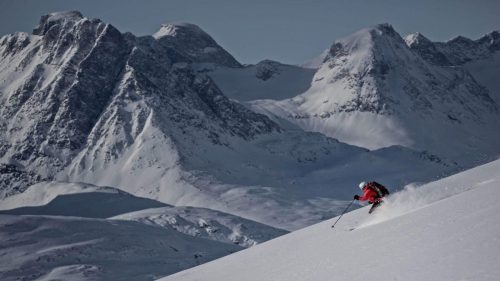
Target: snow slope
<point x="70" y="248"/>
<point x="58" y="231"/>
<point x="444" y="230"/>
<point x="89" y="201"/>
<point x="486" y="71"/>
<point x="44" y="192"/>
<point x="89" y="205"/>
<point x="206" y="223"/>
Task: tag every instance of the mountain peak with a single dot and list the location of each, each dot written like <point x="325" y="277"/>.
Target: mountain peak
<point x="179" y="29"/>
<point x="195" y="43"/>
<point x="460" y="40"/>
<point x="382" y="30"/>
<point x="416" y="39"/>
<point x="492" y="40"/>
<point x="362" y="45"/>
<point x="426" y="49"/>
<point x="65" y="15"/>
<point x="385" y="29"/>
<point x="49" y="20"/>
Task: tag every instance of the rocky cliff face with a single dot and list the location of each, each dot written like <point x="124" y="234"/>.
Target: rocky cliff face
<point x="64" y="85"/>
<point x="481" y="57"/>
<point x="456" y="51"/>
<point x="195" y="44"/>
<point x="56" y="83"/>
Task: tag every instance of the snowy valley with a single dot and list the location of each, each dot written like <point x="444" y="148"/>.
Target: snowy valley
<point x="107" y="137"/>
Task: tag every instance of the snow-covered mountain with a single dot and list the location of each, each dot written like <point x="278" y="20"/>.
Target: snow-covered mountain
<point x="171" y="133"/>
<point x="480" y="57"/>
<point x="194" y="43"/>
<point x="444" y="230"/>
<point x="78" y="93"/>
<point x="82" y="102"/>
<point x="456" y="51"/>
<point x="373" y="91"/>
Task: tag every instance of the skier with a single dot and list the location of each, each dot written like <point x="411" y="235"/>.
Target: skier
<point x="373" y="192"/>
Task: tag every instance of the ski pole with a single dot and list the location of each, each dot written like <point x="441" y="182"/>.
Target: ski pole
<point x="333" y="226"/>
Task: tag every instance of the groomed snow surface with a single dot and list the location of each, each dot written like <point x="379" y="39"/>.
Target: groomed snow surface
<point x="445" y="230"/>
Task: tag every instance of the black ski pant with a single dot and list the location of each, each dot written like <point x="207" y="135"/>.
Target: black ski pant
<point x="374" y="206"/>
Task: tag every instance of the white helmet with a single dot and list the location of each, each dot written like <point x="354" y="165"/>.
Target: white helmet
<point x="361" y="185"/>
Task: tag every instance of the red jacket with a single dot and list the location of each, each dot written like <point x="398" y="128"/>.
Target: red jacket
<point x="370" y="194"/>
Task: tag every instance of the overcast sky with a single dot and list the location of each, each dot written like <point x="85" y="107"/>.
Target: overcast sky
<point x="290" y="31"/>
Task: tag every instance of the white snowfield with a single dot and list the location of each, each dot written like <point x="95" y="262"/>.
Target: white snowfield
<point x="42" y="193"/>
<point x="445" y="230"/>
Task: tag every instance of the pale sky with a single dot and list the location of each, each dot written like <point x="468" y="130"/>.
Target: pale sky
<point x="290" y="31"/>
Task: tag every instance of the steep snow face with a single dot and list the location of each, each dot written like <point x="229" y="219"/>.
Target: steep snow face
<point x="453" y="220"/>
<point x="373" y="91"/>
<point x="194" y="43"/>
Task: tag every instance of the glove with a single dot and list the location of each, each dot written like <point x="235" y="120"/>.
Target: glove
<point x="356" y="197"/>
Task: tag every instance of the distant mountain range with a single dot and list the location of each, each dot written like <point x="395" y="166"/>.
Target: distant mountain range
<point x="374" y="89"/>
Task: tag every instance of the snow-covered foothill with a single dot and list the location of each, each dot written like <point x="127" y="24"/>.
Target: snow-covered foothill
<point x="206" y="223"/>
<point x="44" y="192"/>
<point x="444" y="230"/>
<point x="70" y="248"/>
<point x="89" y="201"/>
<point x="77" y="200"/>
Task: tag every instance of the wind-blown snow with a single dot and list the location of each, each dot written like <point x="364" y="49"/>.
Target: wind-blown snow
<point x="171" y="29"/>
<point x="414" y="197"/>
<point x="445" y="230"/>
<point x="316" y="62"/>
